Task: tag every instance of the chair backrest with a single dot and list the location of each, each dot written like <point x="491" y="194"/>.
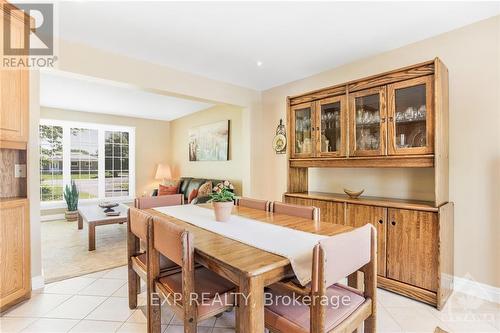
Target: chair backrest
<point x="339" y="256"/>
<point x="160" y="201"/>
<point x="308" y="212"/>
<point x="139" y="223"/>
<point x="173" y="242"/>
<point x="254" y="203"/>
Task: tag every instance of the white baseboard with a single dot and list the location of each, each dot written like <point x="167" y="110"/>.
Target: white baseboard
<point x="37" y="282"/>
<point x="480" y="290"/>
<point x="54" y="217"/>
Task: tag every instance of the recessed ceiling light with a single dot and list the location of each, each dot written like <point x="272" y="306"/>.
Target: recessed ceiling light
<point x="259" y="63"/>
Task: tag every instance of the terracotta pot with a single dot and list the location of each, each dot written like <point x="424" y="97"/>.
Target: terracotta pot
<point x="71" y="215"/>
<point x="223" y="210"/>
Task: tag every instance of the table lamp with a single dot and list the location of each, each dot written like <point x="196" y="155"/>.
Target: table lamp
<point x="163" y="172"/>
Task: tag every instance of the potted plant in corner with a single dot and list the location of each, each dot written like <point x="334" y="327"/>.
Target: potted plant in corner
<point x="71" y="196"/>
<point x="222" y="200"/>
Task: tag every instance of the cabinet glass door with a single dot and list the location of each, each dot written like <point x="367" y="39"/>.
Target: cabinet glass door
<point x="410" y="117"/>
<point x="303" y="127"/>
<point x="368" y="125"/>
<point x="331" y="127"/>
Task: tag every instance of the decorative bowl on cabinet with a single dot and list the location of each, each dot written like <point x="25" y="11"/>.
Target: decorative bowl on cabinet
<point x="353" y="194"/>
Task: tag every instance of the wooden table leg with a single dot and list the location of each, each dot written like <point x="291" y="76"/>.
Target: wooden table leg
<point x="80" y="221"/>
<point x="250" y="317"/>
<point x="91" y="236"/>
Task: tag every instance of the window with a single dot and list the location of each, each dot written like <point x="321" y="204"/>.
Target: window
<point x="51" y="163"/>
<point x="97" y="157"/>
<point x="116" y="167"/>
<point x="85" y="161"/>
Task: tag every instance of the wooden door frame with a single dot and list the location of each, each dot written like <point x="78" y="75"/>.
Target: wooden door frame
<point x="392" y="149"/>
<point x="382" y="151"/>
<point x="292" y="109"/>
<point x="342" y="99"/>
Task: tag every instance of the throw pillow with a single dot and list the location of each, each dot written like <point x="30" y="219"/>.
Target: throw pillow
<point x="205" y="190"/>
<point x="166" y="190"/>
<point x="172" y="182"/>
<point x="192" y="195"/>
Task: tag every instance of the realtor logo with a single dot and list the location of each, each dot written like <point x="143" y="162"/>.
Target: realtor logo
<point x="28" y="43"/>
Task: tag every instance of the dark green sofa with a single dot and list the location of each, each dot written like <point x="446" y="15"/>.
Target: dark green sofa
<point x="187" y="184"/>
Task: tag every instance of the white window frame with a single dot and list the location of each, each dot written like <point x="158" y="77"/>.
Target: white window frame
<point x="101" y="128"/>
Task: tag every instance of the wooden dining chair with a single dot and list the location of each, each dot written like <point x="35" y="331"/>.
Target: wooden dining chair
<point x="308" y="212"/>
<point x="254" y="203"/>
<point x="159" y="201"/>
<point x="333" y="307"/>
<point x="137" y="233"/>
<point x="195" y="293"/>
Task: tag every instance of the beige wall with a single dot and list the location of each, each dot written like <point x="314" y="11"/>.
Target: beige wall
<point x="152" y="141"/>
<point x="392" y="183"/>
<point x="472" y="55"/>
<point x="81" y="59"/>
<point x="179" y="159"/>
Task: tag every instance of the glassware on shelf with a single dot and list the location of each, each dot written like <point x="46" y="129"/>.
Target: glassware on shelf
<point x="303" y="130"/>
<point x="330" y="126"/>
<point x="410" y="115"/>
<point x="421" y="112"/>
<point x="367" y="122"/>
<point x="307" y="146"/>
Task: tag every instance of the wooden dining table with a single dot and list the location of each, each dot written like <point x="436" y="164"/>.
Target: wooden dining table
<point x="250" y="268"/>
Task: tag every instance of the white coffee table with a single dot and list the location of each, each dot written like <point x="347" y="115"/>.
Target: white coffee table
<point x="94" y="216"/>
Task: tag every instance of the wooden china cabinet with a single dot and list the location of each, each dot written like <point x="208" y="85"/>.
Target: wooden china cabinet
<point x="397" y="119"/>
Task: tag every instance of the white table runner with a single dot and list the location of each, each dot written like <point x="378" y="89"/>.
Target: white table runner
<point x="295" y="245"/>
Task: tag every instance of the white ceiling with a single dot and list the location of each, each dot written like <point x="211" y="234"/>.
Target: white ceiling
<point x="225" y="40"/>
<point x="91" y="95"/>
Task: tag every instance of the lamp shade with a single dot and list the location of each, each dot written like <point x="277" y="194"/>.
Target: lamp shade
<point x="163" y="172"/>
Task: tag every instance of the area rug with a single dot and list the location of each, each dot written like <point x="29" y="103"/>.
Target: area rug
<point x="65" y="251"/>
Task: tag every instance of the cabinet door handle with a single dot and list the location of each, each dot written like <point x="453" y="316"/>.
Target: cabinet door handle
<point x="380" y="221"/>
<point x="317" y="128"/>
<point x="382" y="119"/>
<point x="391" y="119"/>
<point x="393" y="223"/>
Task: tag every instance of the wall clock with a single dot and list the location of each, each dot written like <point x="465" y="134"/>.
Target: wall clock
<point x="279" y="141"/>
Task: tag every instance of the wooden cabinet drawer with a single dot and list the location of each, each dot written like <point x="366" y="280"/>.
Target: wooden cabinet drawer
<point x="412" y="248"/>
<point x="359" y="215"/>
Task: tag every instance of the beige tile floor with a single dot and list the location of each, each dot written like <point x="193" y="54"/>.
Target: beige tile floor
<point x="98" y="303"/>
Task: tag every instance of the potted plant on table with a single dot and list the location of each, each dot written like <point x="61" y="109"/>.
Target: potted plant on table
<point x="222" y="200"/>
<point x="71" y="196"/>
